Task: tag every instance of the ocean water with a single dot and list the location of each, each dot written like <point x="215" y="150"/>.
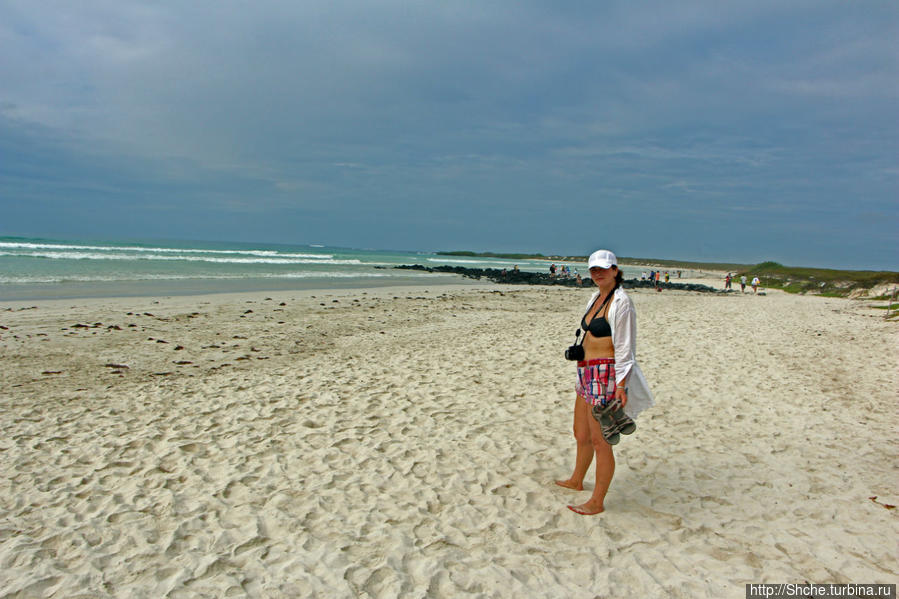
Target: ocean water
<point x="32" y="268"/>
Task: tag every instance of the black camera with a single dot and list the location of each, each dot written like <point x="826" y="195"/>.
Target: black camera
<point x="576" y="351"/>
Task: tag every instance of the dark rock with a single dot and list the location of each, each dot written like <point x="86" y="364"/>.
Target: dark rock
<point x="537" y="278"/>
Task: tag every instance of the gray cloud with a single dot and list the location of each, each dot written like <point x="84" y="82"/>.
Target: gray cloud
<point x="443" y="123"/>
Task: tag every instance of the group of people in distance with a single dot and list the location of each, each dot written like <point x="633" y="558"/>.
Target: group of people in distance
<point x="656" y="276"/>
<point x="729" y="279"/>
<point x="564" y="272"/>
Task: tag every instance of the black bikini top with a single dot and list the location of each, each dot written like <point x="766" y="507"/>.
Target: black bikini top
<point x="599" y="327"/>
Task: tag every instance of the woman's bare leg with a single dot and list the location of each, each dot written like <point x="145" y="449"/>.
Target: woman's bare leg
<point x="605" y="469"/>
<point x="582" y="436"/>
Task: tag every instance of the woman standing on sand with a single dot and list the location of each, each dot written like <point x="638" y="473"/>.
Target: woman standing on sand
<point x="611" y="388"/>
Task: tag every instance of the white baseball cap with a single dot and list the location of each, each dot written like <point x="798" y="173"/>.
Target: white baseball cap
<point x="602" y="259"/>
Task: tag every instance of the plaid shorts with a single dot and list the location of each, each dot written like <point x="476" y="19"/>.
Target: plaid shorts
<point x="596" y="381"/>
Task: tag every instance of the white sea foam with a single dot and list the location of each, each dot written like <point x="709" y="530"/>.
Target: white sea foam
<point x="317" y="256"/>
<point x="139" y="249"/>
<point x="31" y="280"/>
<point x="280" y="259"/>
<point x="44" y="264"/>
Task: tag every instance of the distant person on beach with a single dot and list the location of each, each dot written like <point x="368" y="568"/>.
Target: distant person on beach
<point x="755" y="284"/>
<point x="727" y="281"/>
<point x="552" y="270"/>
<point x="643" y="276"/>
<point x="611" y="389"/>
<point x="742" y="283"/>
<point x="578" y="279"/>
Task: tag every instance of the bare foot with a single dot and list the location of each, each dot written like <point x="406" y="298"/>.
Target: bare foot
<point x="568" y="484"/>
<point x="586" y="509"/>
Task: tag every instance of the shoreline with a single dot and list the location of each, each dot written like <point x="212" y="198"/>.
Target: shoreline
<point x="10" y="293"/>
<point x="173" y="288"/>
<point x="229" y="297"/>
<point x="442" y="282"/>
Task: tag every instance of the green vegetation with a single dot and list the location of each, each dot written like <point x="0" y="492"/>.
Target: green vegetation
<point x="821" y="281"/>
<point x="890" y="306"/>
<point x="893" y="313"/>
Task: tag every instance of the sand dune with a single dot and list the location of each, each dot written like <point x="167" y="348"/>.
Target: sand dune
<point x="403" y="442"/>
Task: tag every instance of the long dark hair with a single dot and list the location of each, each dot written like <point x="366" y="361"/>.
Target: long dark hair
<point x="618" y="276"/>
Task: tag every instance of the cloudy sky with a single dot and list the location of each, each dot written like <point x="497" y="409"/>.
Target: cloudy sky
<point x="741" y="131"/>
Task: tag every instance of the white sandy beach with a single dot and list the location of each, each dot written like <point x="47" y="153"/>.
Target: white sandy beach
<point x="403" y="443"/>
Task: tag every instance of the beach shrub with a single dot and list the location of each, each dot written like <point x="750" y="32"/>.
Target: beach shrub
<point x="819" y="281"/>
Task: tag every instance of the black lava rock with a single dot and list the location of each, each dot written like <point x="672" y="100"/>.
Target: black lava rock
<point x="538" y="278"/>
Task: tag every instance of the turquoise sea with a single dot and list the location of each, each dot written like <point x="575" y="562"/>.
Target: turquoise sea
<point x="33" y="268"/>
